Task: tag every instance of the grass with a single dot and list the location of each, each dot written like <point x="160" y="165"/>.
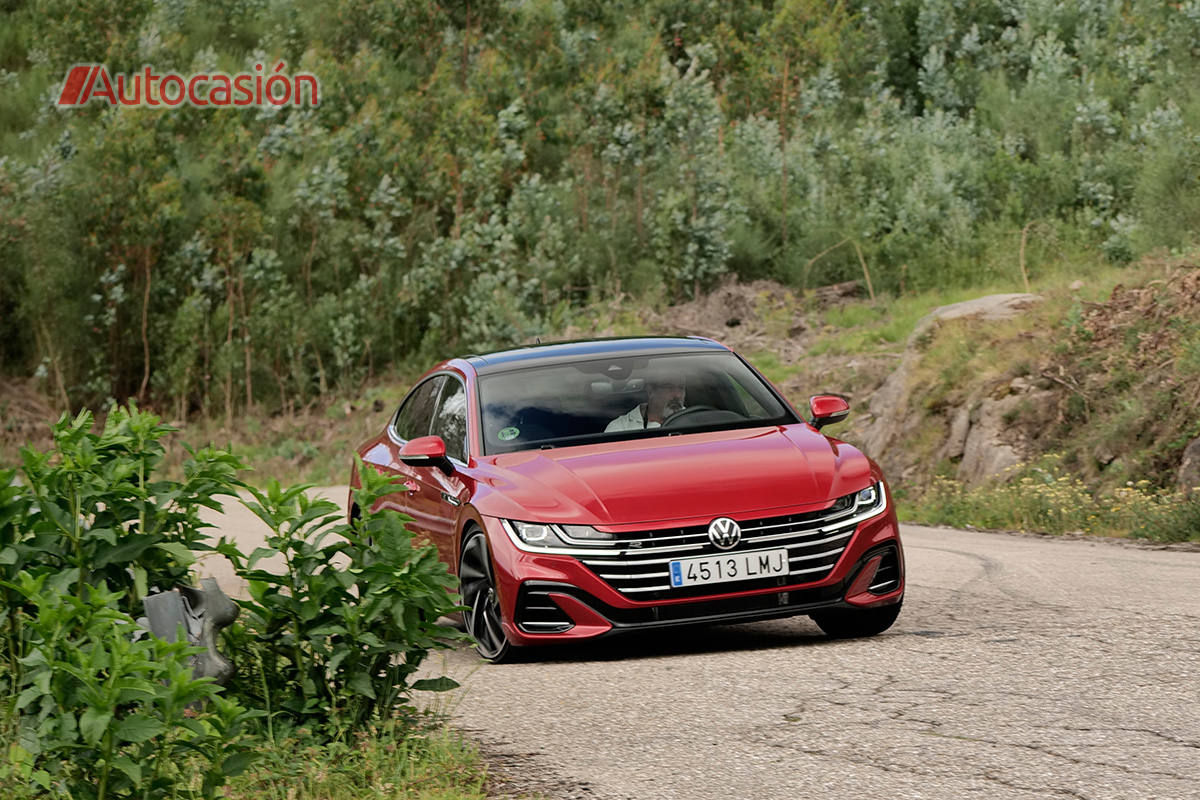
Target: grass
<point x="1042" y="497"/>
<point x="383" y="764"/>
<point x="769" y="364"/>
<point x="394" y="762"/>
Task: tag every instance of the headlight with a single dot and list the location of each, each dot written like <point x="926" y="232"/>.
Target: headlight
<point x="871" y="498"/>
<point x="545" y="536"/>
<point x="867" y="497"/>
<point x="537" y="535"/>
<point x="584" y="533"/>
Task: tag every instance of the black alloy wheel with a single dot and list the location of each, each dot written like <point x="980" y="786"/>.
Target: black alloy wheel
<point x="477" y="589"/>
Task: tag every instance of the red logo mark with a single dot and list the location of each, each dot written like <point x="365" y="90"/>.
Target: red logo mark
<point x="87" y="82"/>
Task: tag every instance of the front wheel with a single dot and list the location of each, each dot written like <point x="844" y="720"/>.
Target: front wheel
<point x="845" y="623"/>
<point x="477" y="588"/>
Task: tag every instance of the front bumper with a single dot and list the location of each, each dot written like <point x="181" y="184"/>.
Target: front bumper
<point x="555" y="598"/>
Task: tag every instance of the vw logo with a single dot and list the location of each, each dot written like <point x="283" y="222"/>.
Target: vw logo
<point x="724" y="533"/>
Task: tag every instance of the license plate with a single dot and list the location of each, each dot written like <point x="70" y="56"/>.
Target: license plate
<point x="729" y="567"/>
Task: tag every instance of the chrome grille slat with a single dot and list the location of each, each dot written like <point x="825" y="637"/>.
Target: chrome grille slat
<point x="634" y="577"/>
<point x="811" y="570"/>
<point x="775" y="537"/>
<point x="813" y="524"/>
<point x="810" y="556"/>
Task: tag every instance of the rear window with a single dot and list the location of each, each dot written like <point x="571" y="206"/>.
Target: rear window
<point x="622" y="398"/>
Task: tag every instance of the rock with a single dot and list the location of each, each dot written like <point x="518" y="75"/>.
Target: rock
<point x="1076" y="286"/>
<point x="988" y="449"/>
<point x="890" y="403"/>
<point x="956" y="442"/>
<point x="828" y="295"/>
<point x="1022" y="385"/>
<point x="992" y="306"/>
<point x="1189" y="468"/>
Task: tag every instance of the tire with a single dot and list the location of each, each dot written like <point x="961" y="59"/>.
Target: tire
<point x="845" y="623"/>
<point x="477" y="590"/>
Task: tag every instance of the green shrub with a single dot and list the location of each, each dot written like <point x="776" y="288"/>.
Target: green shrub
<point x="106" y="714"/>
<point x="94" y="511"/>
<point x="1039" y="497"/>
<point x="91" y="511"/>
<point x="92" y="707"/>
<point x="335" y="636"/>
<point x="1174" y="522"/>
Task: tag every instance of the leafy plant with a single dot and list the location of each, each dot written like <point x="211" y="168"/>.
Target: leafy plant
<point x="1178" y="521"/>
<point x="1039" y="497"/>
<point x="109" y="712"/>
<point x="99" y="513"/>
<point x="92" y="511"/>
<point x="336" y="635"/>
<point x="95" y="708"/>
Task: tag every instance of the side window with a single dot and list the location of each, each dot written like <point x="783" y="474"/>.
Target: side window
<point x="416" y="413"/>
<point x="450" y="420"/>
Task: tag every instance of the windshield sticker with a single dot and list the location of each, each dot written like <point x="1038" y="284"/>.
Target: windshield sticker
<point x="507" y="434"/>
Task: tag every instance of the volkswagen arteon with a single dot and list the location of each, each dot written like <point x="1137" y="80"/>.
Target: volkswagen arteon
<point x="585" y="489"/>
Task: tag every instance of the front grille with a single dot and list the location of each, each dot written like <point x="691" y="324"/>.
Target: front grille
<point x="537" y="613"/>
<point x="887" y="576"/>
<point x="639" y="564"/>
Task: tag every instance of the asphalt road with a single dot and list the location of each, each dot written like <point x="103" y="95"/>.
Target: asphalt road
<point x="1021" y="667"/>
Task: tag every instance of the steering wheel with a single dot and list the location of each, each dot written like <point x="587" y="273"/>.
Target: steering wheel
<point x="683" y="412"/>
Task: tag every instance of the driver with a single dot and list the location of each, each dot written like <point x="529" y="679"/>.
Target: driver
<point x="664" y="397"/>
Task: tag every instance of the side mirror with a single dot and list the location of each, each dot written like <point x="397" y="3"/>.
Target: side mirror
<point x="828" y="409"/>
<point x="427" y="451"/>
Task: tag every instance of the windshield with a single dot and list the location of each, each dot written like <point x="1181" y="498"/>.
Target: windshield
<point x="622" y="398"/>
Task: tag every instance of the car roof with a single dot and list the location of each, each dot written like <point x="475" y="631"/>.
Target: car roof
<point x="538" y="355"/>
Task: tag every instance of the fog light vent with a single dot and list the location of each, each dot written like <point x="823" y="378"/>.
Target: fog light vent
<point x="887" y="577"/>
<point x="537" y="613"/>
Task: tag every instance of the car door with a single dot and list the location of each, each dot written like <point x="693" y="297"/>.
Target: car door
<point x="450" y="491"/>
<point x="412" y="421"/>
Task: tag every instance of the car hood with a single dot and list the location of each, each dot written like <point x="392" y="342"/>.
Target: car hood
<point x="687" y="479"/>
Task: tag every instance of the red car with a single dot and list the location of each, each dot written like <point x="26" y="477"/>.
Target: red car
<point x="585" y="489"/>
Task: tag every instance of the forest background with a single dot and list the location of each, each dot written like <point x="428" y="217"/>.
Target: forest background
<point x="478" y="174"/>
<point x="477" y="170"/>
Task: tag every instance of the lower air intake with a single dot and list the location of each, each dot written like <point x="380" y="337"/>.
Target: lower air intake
<point x="537" y="613"/>
<point x="887" y="577"/>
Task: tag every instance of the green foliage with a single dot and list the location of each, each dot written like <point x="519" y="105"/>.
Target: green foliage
<point x="337" y="634"/>
<point x="109" y="712"/>
<point x="476" y="171"/>
<point x="1040" y="497"/>
<point x="92" y="707"/>
<point x="93" y="511"/>
<point x="385" y="762"/>
<point x="1174" y="522"/>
